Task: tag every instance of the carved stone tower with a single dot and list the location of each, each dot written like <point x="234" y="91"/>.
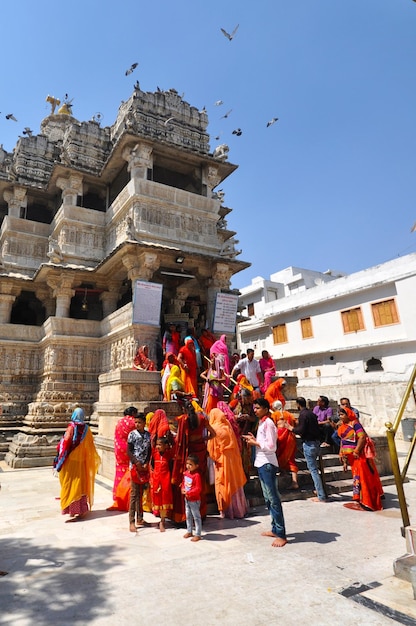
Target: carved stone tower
<point x="86" y="211"/>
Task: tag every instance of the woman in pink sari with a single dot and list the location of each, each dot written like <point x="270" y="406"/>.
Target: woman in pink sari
<point x="220" y="348"/>
<point x="268" y="368"/>
<point x="124" y="426"/>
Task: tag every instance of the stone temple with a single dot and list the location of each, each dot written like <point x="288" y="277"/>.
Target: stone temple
<point x="85" y="212"/>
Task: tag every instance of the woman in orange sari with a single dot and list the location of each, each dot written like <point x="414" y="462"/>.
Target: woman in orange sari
<point x="366" y="486"/>
<point x="187" y="361"/>
<point x="286" y="442"/>
<point x="77" y="463"/>
<point x="275" y="392"/>
<point x="229" y="474"/>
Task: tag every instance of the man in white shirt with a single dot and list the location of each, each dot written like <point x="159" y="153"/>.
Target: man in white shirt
<point x="250" y="368"/>
<point x="267" y="466"/>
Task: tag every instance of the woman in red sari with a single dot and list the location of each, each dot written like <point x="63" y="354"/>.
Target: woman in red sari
<point x="142" y="361"/>
<point x="366" y="487"/>
<point x="193" y="432"/>
<point x="121" y="493"/>
<point x="286" y="442"/>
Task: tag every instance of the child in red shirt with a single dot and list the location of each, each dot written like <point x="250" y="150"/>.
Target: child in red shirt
<point x="192" y="490"/>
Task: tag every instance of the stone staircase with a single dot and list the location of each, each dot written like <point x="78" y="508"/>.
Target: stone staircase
<point x="336" y="481"/>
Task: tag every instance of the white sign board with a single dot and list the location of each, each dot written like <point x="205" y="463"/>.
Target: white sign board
<point x="147" y="301"/>
<point x="225" y="314"/>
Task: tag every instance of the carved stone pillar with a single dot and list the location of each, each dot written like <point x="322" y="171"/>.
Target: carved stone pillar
<point x="142" y="266"/>
<point x="6" y="303"/>
<point x="139" y="159"/>
<point x="221" y="278"/>
<point x="109" y="299"/>
<point x="45" y="296"/>
<point x="178" y="302"/>
<point x="16" y="200"/>
<point x="71" y="188"/>
<point x="63" y="292"/>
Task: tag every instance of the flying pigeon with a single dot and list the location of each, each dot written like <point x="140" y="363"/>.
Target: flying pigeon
<point x="10" y="116"/>
<point x="168" y="120"/>
<point x="218" y="103"/>
<point x="203" y="110"/>
<point x="131" y="69"/>
<point x="272" y="121"/>
<point x="27" y="131"/>
<point x="226" y="115"/>
<point x="237" y="132"/>
<point x="230" y="37"/>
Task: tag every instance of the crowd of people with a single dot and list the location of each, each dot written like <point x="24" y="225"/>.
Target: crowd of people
<point x="168" y="466"/>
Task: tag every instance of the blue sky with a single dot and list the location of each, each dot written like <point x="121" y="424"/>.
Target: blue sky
<point x="331" y="185"/>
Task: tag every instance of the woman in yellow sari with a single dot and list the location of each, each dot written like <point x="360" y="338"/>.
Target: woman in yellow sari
<point x="77" y="463"/>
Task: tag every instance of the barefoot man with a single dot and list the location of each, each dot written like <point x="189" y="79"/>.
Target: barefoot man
<point x="266" y="463"/>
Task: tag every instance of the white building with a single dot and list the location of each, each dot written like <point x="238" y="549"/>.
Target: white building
<point x="340" y="335"/>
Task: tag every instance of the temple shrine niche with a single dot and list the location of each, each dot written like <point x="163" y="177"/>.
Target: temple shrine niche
<point x="85" y="212"/>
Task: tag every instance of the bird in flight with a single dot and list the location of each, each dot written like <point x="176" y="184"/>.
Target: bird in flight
<point x="272" y="121"/>
<point x="203" y="110"/>
<point x="226" y="115"/>
<point x="218" y="103"/>
<point x="168" y="120"/>
<point x="237" y="132"/>
<point x="10" y="116"/>
<point x="27" y="131"/>
<point x="131" y="68"/>
<point x="229" y="36"/>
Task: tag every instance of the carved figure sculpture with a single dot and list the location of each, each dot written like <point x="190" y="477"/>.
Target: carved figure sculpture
<point x="221" y="152"/>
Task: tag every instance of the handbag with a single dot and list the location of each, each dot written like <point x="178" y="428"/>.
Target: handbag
<point x="140" y="477"/>
<point x="369" y="448"/>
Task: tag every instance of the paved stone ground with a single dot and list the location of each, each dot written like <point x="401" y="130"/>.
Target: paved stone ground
<point x="97" y="572"/>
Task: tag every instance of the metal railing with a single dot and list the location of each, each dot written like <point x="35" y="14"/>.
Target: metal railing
<point x="400" y="475"/>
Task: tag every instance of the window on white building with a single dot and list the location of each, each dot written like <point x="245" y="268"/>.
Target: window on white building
<point x="352" y="320"/>
<point x="385" y="313"/>
<point x="280" y="333"/>
<point x="306" y="327"/>
<point x="250" y="309"/>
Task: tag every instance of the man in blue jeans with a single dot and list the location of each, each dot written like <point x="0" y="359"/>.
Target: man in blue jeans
<point x="308" y="429"/>
<point x="267" y="466"/>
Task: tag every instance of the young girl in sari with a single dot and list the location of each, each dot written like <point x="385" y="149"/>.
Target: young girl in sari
<point x="161" y="483"/>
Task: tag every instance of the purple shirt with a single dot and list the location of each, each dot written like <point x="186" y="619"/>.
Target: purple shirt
<point x="322" y="414"/>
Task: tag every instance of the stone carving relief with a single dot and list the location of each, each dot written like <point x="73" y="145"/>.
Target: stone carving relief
<point x="122" y="353"/>
<point x="54" y="252"/>
<point x="141" y="267"/>
<point x="221" y="276"/>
